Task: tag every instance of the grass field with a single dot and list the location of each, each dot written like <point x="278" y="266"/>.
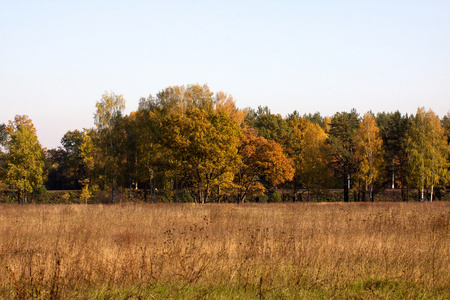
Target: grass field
<point x="223" y="251"/>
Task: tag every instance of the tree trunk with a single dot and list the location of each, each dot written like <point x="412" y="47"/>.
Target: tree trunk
<point x="393" y="180"/>
<point x="431" y="195"/>
<point x="371" y="193"/>
<point x="346" y="187"/>
<point x="218" y="193"/>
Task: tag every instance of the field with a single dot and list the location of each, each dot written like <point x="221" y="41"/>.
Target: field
<point x="222" y="251"/>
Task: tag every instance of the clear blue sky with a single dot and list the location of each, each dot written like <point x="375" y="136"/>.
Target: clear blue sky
<point x="58" y="57"/>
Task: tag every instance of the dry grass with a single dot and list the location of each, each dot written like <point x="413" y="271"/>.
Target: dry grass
<point x="336" y="250"/>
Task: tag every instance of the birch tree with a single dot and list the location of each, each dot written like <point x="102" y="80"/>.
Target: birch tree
<point x="368" y="153"/>
<point x="313" y="164"/>
<point x="109" y="112"/>
<point x="428" y="151"/>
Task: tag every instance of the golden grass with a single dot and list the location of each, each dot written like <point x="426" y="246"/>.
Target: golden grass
<point x="368" y="250"/>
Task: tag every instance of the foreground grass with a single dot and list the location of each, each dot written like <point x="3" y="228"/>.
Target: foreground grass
<point x="294" y="251"/>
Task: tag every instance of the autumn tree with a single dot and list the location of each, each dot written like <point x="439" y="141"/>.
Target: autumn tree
<point x="428" y="150"/>
<point x="368" y="153"/>
<point x="197" y="137"/>
<point x="310" y="155"/>
<point x="3" y="162"/>
<point x="150" y="157"/>
<point x="341" y="141"/>
<point x="316" y="118"/>
<point x="262" y="161"/>
<point x="2" y="135"/>
<point x="272" y="127"/>
<point x="25" y="158"/>
<point x="446" y="125"/>
<point x="65" y="166"/>
<point x="107" y="117"/>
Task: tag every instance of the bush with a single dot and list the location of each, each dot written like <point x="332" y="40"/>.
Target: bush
<point x="85" y="194"/>
<point x="186" y="197"/>
<point x="65" y="198"/>
<point x="41" y="194"/>
<point x="274" y="196"/>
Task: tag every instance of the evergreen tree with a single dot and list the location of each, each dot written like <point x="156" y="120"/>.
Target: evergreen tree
<point x="341" y="141"/>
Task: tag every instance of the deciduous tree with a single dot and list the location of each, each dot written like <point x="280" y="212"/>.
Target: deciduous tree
<point x="368" y="154"/>
<point x="428" y="151"/>
<point x="25" y="157"/>
<point x="312" y="160"/>
<point x="197" y="135"/>
<point x="107" y="117"/>
<point x="262" y="161"/>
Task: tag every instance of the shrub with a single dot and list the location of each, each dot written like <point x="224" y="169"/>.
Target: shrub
<point x="274" y="197"/>
<point x="186" y="197"/>
<point x="85" y="194"/>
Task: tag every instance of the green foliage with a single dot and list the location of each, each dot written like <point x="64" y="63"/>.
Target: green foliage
<point x="428" y="151"/>
<point x="341" y="141"/>
<point x="272" y="127"/>
<point x="187" y="138"/>
<point x="41" y="194"/>
<point x="66" y="167"/>
<point x="198" y="137"/>
<point x="393" y="128"/>
<point x="3" y="136"/>
<point x="275" y="196"/>
<point x="25" y="158"/>
<point x="107" y="120"/>
<point x="186" y="197"/>
<point x="446" y="125"/>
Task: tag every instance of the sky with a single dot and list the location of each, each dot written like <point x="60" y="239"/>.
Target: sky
<point x="57" y="58"/>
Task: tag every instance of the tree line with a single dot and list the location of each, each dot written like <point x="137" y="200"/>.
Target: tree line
<point x="190" y="144"/>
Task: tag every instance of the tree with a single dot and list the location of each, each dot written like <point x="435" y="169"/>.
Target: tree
<point x="2" y="135"/>
<point x="428" y="151"/>
<point x="196" y="135"/>
<point x="65" y="166"/>
<point x="310" y="157"/>
<point x="368" y="154"/>
<point x="315" y="118"/>
<point x="107" y="117"/>
<point x="262" y="161"/>
<point x="446" y="125"/>
<point x="25" y="157"/>
<point x="342" y="146"/>
<point x="3" y="162"/>
<point x="393" y="128"/>
<point x="272" y="127"/>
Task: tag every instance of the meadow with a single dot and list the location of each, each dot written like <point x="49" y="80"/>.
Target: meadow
<point x="223" y="251"/>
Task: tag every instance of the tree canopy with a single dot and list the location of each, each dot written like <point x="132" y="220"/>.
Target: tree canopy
<point x="25" y="157"/>
<point x="189" y="143"/>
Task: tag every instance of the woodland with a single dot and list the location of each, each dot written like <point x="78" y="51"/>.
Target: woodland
<point x="189" y="144"/>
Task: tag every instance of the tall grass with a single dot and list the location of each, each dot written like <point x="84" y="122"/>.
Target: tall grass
<point x="351" y="250"/>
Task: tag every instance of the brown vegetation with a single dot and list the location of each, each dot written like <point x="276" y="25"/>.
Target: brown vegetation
<point x="362" y="250"/>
